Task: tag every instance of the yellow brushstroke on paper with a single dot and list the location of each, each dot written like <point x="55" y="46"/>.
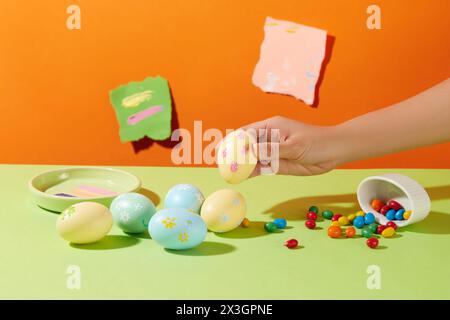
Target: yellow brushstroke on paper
<point x="136" y="99"/>
<point x="271" y="24"/>
<point x="290" y="31"/>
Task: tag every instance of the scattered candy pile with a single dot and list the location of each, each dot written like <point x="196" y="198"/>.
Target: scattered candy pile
<point x="392" y="209"/>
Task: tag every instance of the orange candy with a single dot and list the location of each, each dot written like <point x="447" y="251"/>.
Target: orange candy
<point x="377" y="204"/>
<point x="245" y="223"/>
<point x="350" y="232"/>
<point x="334" y="231"/>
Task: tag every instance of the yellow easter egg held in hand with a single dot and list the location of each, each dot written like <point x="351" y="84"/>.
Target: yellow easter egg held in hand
<point x="235" y="156"/>
<point x="224" y="210"/>
<point x="84" y="222"/>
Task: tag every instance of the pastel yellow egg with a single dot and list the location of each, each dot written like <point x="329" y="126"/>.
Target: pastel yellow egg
<point x="223" y="210"/>
<point x="84" y="222"/>
<point x="388" y="232"/>
<point x="335" y="224"/>
<point x="343" y="221"/>
<point x="407" y="214"/>
<point x="235" y="156"/>
<point x="351" y="217"/>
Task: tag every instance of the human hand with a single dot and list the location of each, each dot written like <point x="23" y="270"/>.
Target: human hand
<point x="286" y="146"/>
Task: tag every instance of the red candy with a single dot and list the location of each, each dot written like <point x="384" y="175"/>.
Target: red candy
<point x="385" y="209"/>
<point x="372" y="243"/>
<point x="291" y="244"/>
<point x="311" y="215"/>
<point x="391" y="224"/>
<point x="395" y="205"/>
<point x="380" y="228"/>
<point x="310" y="224"/>
<point x="336" y="217"/>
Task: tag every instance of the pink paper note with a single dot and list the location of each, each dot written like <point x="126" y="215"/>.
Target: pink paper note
<point x="290" y="60"/>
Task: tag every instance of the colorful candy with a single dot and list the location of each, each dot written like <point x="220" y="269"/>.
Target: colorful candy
<point x="390" y="215"/>
<point x="270" y="227"/>
<point x="358" y="222"/>
<point x="327" y="214"/>
<point x="351" y="217"/>
<point x="407" y="215"/>
<point x="311" y="215"/>
<point x="336" y="217"/>
<point x="245" y="223"/>
<point x="388" y="232"/>
<point x="380" y="228"/>
<point x="373" y="227"/>
<point x="394" y="205"/>
<point x="310" y="224"/>
<point x="335" y="224"/>
<point x="314" y="209"/>
<point x="334" y="232"/>
<point x="377" y="204"/>
<point x="369" y="218"/>
<point x="399" y="214"/>
<point x="372" y="243"/>
<point x="343" y="221"/>
<point x="360" y="214"/>
<point x="366" y="232"/>
<point x="391" y="224"/>
<point x="280" y="223"/>
<point x="385" y="210"/>
<point x="350" y="232"/>
<point x="291" y="244"/>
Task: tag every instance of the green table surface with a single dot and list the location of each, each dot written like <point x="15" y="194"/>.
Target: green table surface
<point x="242" y="264"/>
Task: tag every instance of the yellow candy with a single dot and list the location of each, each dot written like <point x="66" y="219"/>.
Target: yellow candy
<point x="335" y="224"/>
<point x="351" y="217"/>
<point x="388" y="232"/>
<point x="343" y="221"/>
<point x="245" y="223"/>
<point x="360" y="214"/>
<point x="407" y="214"/>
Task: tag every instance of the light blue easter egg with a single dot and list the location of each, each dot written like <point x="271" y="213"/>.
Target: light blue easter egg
<point x="184" y="196"/>
<point x="177" y="228"/>
<point x="132" y="212"/>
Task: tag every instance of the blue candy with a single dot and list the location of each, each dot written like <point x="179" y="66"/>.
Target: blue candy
<point x="399" y="214"/>
<point x="369" y="218"/>
<point x="358" y="222"/>
<point x="280" y="223"/>
<point x="390" y="215"/>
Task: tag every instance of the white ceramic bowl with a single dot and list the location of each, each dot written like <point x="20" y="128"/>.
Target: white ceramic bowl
<point x="406" y="191"/>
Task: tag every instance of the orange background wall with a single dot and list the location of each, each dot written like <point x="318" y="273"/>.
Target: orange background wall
<point x="54" y="82"/>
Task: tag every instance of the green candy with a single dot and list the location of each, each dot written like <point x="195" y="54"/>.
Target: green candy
<point x="366" y="232"/>
<point x="270" y="227"/>
<point x="373" y="227"/>
<point x="327" y="214"/>
<point x="313" y="209"/>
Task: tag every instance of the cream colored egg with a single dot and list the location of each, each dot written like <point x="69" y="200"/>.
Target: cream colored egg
<point x="84" y="222"/>
<point x="223" y="210"/>
<point x="235" y="156"/>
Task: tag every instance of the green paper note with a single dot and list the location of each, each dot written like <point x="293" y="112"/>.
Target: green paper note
<point x="143" y="109"/>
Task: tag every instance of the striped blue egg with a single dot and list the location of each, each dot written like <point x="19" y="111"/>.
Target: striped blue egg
<point x="185" y="196"/>
<point x="177" y="228"/>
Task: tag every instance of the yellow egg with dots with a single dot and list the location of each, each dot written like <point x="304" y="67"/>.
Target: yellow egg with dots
<point x="84" y="222"/>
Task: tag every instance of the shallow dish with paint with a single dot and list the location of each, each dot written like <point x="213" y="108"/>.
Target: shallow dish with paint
<point x="55" y="190"/>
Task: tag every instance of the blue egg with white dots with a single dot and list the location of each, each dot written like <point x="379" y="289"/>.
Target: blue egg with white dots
<point x="390" y="215"/>
<point x="399" y="214"/>
<point x="185" y="196"/>
<point x="280" y="223"/>
<point x="132" y="212"/>
<point x="359" y="222"/>
<point x="177" y="228"/>
<point x="369" y="218"/>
